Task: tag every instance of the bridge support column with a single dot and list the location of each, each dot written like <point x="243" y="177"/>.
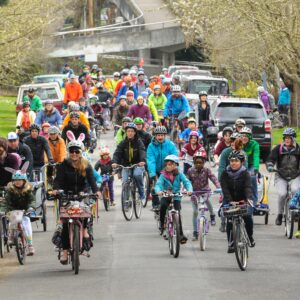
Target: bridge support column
<point x="168" y="59"/>
<point x="146" y="55"/>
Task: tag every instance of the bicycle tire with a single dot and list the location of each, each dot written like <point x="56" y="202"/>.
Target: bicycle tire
<point x="44" y="216"/>
<point x="211" y="158"/>
<point x="266" y="218"/>
<point x="137" y="202"/>
<point x="287" y="221"/>
<point x="176" y="236"/>
<point x="147" y="188"/>
<point x="20" y="248"/>
<point x="202" y="233"/>
<point x="127" y="197"/>
<point x="76" y="250"/>
<point x="291" y="218"/>
<point x="1" y="239"/>
<point x="240" y="247"/>
<point x="284" y="119"/>
<point x="106" y="198"/>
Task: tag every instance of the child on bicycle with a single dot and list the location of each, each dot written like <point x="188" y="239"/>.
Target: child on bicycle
<point x="171" y="179"/>
<point x="105" y="166"/>
<point x="236" y="186"/>
<point x="199" y="176"/>
<point x="294" y="204"/>
<point x="19" y="196"/>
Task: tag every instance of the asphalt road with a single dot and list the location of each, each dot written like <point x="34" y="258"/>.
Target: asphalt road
<point x="130" y="260"/>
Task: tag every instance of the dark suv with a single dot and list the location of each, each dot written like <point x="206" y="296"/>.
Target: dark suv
<point x="225" y="111"/>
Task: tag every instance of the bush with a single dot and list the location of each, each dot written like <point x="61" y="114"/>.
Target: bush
<point x="248" y="91"/>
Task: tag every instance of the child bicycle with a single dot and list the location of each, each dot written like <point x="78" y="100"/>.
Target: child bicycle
<point x="105" y="191"/>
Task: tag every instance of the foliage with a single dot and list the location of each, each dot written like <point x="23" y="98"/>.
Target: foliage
<point x="8" y="115"/>
<point x="247" y="91"/>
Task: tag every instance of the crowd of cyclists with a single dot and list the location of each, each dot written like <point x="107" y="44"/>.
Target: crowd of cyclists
<point x="144" y="111"/>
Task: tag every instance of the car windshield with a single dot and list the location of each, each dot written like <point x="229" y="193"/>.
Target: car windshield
<point x="175" y="68"/>
<point x="233" y="111"/>
<point x="212" y="87"/>
<point x="49" y="79"/>
<point x="45" y="93"/>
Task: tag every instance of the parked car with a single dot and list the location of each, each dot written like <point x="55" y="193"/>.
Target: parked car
<point x="225" y="111"/>
<point x="50" y="78"/>
<point x="45" y="91"/>
<point x="175" y="68"/>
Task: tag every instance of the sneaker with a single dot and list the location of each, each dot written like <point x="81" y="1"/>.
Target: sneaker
<point x="112" y="203"/>
<point x="195" y="236"/>
<point x="30" y="250"/>
<point x="252" y="242"/>
<point x="278" y="221"/>
<point x="155" y="208"/>
<point x="213" y="220"/>
<point x="297" y="235"/>
<point x="222" y="227"/>
<point x="183" y="239"/>
<point x="230" y="248"/>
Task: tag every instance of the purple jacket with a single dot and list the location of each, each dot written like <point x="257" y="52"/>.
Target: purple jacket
<point x="140" y="111"/>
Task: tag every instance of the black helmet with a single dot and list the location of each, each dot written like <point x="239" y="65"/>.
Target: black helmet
<point x="34" y="127"/>
<point x="240" y="155"/>
<point x="202" y="93"/>
<point x="126" y="120"/>
<point x="74" y="114"/>
<point x="160" y="130"/>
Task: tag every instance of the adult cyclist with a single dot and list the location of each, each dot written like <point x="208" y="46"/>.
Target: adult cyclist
<point x="286" y="157"/>
<point x="141" y="133"/>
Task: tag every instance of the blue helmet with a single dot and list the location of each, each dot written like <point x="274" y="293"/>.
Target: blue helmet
<point x="173" y="158"/>
<point x="131" y="125"/>
<point x="289" y="132"/>
<point x="19" y="176"/>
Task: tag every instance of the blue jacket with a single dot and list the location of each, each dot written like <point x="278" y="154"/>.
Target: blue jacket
<point x="164" y="184"/>
<point x="185" y="134"/>
<point x="156" y="153"/>
<point x="124" y="89"/>
<point x="284" y="97"/>
<point x="98" y="177"/>
<point x="175" y="106"/>
<point x="54" y="119"/>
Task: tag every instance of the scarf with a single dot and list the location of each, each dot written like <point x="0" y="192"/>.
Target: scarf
<point x="170" y="175"/>
<point x="104" y="161"/>
<point x="234" y="174"/>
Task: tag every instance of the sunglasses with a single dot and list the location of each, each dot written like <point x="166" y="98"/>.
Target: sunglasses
<point x="12" y="141"/>
<point x="74" y="151"/>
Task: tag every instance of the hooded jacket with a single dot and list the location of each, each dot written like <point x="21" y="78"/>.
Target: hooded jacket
<point x="175" y="106"/>
<point x="159" y="101"/>
<point x="35" y="103"/>
<point x="53" y="118"/>
<point x="58" y="149"/>
<point x="140" y="111"/>
<point x="77" y="131"/>
<point x="153" y="109"/>
<point x="253" y="154"/>
<point x="120" y="136"/>
<point x="156" y="153"/>
<point x="73" y="92"/>
<point x="124" y="88"/>
<point x="145" y="137"/>
<point x="82" y="117"/>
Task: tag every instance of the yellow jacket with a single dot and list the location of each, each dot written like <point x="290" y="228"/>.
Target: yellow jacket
<point x="83" y="120"/>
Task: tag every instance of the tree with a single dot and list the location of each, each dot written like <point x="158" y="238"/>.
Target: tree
<point x="247" y="36"/>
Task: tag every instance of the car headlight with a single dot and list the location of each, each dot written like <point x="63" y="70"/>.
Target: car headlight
<point x="267" y="135"/>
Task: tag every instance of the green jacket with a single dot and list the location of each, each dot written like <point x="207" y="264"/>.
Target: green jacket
<point x="153" y="110"/>
<point x="120" y="136"/>
<point x="35" y="103"/>
<point x="159" y="102"/>
<point x="253" y="152"/>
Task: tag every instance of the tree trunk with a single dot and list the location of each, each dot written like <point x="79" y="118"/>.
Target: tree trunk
<point x="90" y="13"/>
<point x="295" y="104"/>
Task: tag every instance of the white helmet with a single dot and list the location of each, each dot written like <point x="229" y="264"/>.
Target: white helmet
<point x="76" y="143"/>
<point x="260" y="89"/>
<point x="176" y="88"/>
<point x="116" y="74"/>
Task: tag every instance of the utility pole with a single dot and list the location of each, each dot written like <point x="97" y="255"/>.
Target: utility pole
<point x="90" y="13"/>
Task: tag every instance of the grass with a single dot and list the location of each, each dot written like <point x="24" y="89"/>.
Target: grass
<point x="7" y="115"/>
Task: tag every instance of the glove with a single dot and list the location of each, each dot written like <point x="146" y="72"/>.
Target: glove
<point x="270" y="169"/>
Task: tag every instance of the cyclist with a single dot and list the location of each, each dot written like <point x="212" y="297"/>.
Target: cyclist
<point x="35" y="101"/>
<point x="236" y="186"/>
<point x="115" y="81"/>
<point x="48" y="115"/>
<point x="155" y="80"/>
<point x="122" y="110"/>
<point x="19" y="196"/>
<point x="239" y="125"/>
<point x="171" y="179"/>
<point x="44" y="131"/>
<point x="192" y="126"/>
<point x="203" y="109"/>
<point x="38" y="146"/>
<point x="124" y="73"/>
<point x="158" y="98"/>
<point x="129" y="152"/>
<point x="77" y="128"/>
<point x="121" y="133"/>
<point x="85" y="108"/>
<point x="189" y="149"/>
<point x="83" y="119"/>
<point x="286" y="157"/>
<point x="140" y="110"/>
<point x="25" y="118"/>
<point x="73" y="175"/>
<point x="167" y="87"/>
<point x="87" y="86"/>
<point x="142" y="134"/>
<point x="102" y="94"/>
<point x="151" y="105"/>
<point x="251" y="147"/>
<point x="130" y="98"/>
<point x="141" y="83"/>
<point x="57" y="145"/>
<point x="73" y="90"/>
<point x="157" y="151"/>
<point x="128" y="85"/>
<point x="224" y="143"/>
<point x="199" y="176"/>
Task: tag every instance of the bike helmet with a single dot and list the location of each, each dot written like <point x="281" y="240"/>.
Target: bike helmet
<point x="129" y="93"/>
<point x="194" y="133"/>
<point x="19" y="176"/>
<point x="202" y="93"/>
<point x="176" y="88"/>
<point x="140" y="73"/>
<point x="26" y="104"/>
<point x="167" y="81"/>
<point x="130" y="125"/>
<point x="104" y="151"/>
<point x="160" y="130"/>
<point x="173" y="158"/>
<point x="164" y="69"/>
<point x="289" y="132"/>
<point x="260" y="89"/>
<point x="122" y="97"/>
<point x="246" y="130"/>
<point x="75" y="144"/>
<point x="240" y="122"/>
<point x="74" y="107"/>
<point x="176" y="77"/>
<point x="138" y="121"/>
<point x="227" y="129"/>
<point x="74" y="114"/>
<point x="192" y="120"/>
<point x="126" y="120"/>
<point x="31" y="90"/>
<point x="116" y="74"/>
<point x="200" y="154"/>
<point x="157" y="87"/>
<point x="144" y="94"/>
<point x="132" y="72"/>
<point x="235" y="136"/>
<point x="240" y="155"/>
<point x="46" y="125"/>
<point x="53" y="130"/>
<point x="34" y="127"/>
<point x="48" y="101"/>
<point x="125" y="72"/>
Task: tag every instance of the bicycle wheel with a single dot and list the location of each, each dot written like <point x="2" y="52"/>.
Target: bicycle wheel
<point x="240" y="246"/>
<point x="169" y="232"/>
<point x="176" y="236"/>
<point x="44" y="216"/>
<point x="289" y="225"/>
<point x="127" y="202"/>
<point x="137" y="202"/>
<point x="1" y="239"/>
<point x="147" y="188"/>
<point x="202" y="233"/>
<point x="284" y="119"/>
<point x="20" y="247"/>
<point x="76" y="249"/>
<point x="211" y="158"/>
<point x="106" y="199"/>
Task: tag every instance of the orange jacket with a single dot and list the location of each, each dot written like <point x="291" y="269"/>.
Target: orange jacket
<point x="152" y="84"/>
<point x="83" y="120"/>
<point x="73" y="91"/>
<point x="59" y="151"/>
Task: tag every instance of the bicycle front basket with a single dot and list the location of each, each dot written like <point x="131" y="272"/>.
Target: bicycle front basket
<point x="241" y="210"/>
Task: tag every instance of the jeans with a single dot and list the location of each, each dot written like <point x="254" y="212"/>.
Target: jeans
<point x="137" y="173"/>
<point x="111" y="189"/>
<point x="248" y="225"/>
<point x="281" y="187"/>
<point x="283" y="109"/>
<point x="155" y="198"/>
<point x="254" y="185"/>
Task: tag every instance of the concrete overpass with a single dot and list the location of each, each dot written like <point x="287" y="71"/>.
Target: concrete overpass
<point x="150" y="30"/>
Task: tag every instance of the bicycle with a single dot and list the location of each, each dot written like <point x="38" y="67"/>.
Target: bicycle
<point x="234" y="213"/>
<point x="202" y="220"/>
<point x="74" y="212"/>
<point x="278" y="120"/>
<point x="130" y="198"/>
<point x="147" y="187"/>
<point x="105" y="191"/>
<point x="3" y="226"/>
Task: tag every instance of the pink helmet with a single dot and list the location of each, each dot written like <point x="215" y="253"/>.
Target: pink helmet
<point x="194" y="133"/>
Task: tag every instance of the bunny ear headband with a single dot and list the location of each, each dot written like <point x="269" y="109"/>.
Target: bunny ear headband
<point x="72" y="138"/>
<point x="23" y="170"/>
